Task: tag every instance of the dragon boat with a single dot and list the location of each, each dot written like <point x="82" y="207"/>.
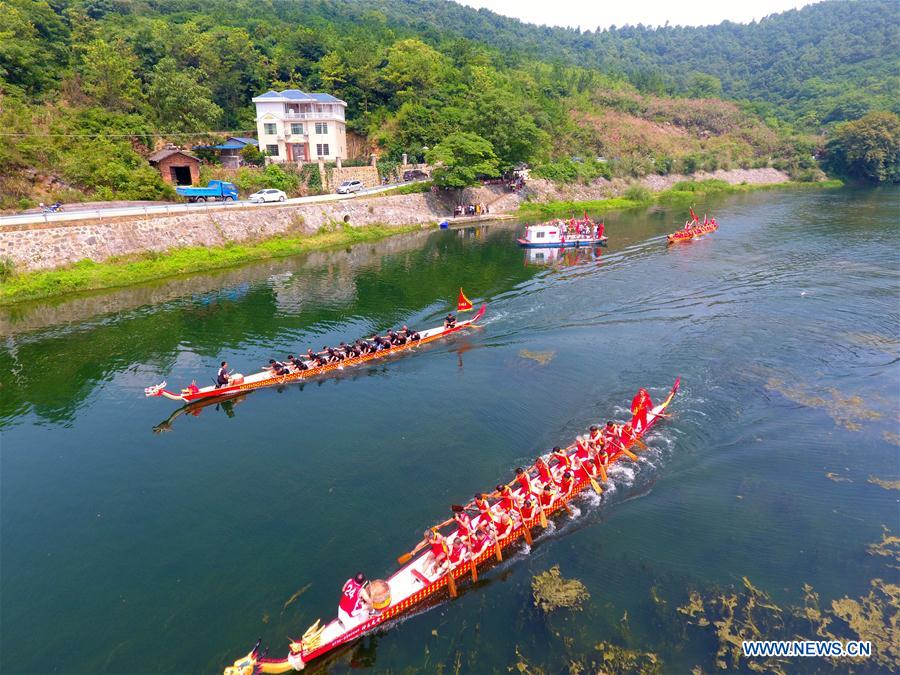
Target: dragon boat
<point x="416" y="584"/>
<point x="265" y="378"/>
<point x="690" y="233"/>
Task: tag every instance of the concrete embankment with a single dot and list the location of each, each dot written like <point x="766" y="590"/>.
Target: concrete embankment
<point x="49" y="246"/>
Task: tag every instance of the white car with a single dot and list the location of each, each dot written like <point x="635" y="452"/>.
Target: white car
<point x="349" y="186"/>
<point x="269" y="195"/>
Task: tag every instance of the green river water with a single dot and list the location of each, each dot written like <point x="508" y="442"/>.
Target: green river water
<point x="133" y="543"/>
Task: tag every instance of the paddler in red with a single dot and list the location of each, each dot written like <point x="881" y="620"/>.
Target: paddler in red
<point x="463" y="522"/>
<point x="627" y="436"/>
<point x="640" y="406"/>
<point x="562" y="459"/>
<point x="581" y="448"/>
<point x="547" y="497"/>
<point x="595" y="434"/>
<point x="355" y="601"/>
<point x="543" y="470"/>
<point x="484" y="509"/>
<point x="566" y="483"/>
<point x="524" y="481"/>
<point x="437" y="545"/>
<point x="506" y="497"/>
<point x="529" y="509"/>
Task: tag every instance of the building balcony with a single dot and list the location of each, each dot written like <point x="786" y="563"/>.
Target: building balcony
<point x="313" y="116"/>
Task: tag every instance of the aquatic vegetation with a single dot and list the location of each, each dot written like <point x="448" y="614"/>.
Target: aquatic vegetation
<point x="886" y="484"/>
<point x="837" y="478"/>
<point x="875" y="618"/>
<point x="542" y="358"/>
<point x="846" y="411"/>
<point x="296" y="595"/>
<point x="617" y="659"/>
<point x="889" y="547"/>
<point x="747" y="615"/>
<point x="551" y="591"/>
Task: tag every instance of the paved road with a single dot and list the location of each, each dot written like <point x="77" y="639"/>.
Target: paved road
<point x="73" y="213"/>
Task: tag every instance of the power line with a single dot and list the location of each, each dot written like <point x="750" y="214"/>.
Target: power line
<point x="105" y="135"/>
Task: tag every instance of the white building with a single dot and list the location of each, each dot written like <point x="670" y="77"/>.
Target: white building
<point x="294" y="126"/>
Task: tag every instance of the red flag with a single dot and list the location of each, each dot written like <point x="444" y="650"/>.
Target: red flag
<point x="463" y="304"/>
<point x="694" y="215"/>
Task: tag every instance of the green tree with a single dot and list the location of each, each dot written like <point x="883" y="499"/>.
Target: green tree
<point x="179" y="102"/>
<point x="868" y="148"/>
<point x="252" y="156"/>
<point x="461" y="159"/>
<point x="702" y="85"/>
<point x="108" y="70"/>
<point x="412" y="67"/>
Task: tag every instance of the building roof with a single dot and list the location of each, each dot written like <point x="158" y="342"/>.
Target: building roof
<point x="236" y="143"/>
<point x="295" y="95"/>
<point x="160" y="155"/>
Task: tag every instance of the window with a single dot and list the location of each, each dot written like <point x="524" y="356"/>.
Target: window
<point x="321" y="128"/>
<point x="322" y="149"/>
<point x="272" y="150"/>
<point x="539" y="235"/>
<point x="296" y="128"/>
<point x="269" y="129"/>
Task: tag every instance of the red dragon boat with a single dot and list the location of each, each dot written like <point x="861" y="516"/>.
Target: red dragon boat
<point x="693" y="229"/>
<point x="416" y="583"/>
<point x="265" y="378"/>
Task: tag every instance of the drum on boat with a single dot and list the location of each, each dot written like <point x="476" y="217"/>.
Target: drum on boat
<point x="380" y="594"/>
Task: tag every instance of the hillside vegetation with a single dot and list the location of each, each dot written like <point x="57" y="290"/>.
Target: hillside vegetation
<point x="92" y="86"/>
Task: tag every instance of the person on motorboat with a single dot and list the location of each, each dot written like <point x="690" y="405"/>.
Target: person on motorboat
<point x="223" y="376"/>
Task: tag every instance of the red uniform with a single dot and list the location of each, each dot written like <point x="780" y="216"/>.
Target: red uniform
<point x="581" y="450"/>
<point x="437" y="547"/>
<point x="463" y="524"/>
<point x="586" y="470"/>
<point x="562" y="459"/>
<point x="543" y="471"/>
<point x="350" y="601"/>
<point x="528" y="511"/>
<point x="506" y="498"/>
<point x="640" y="406"/>
<point x="627" y="436"/>
<point x="484" y="508"/>
<point x="525" y="481"/>
<point x="458" y="552"/>
<point x="565" y="486"/>
<point x="546" y="497"/>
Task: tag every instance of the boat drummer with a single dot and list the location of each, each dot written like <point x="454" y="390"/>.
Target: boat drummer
<point x="355" y="602"/>
<point x="449" y="322"/>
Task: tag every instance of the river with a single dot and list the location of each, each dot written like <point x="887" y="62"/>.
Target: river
<point x="130" y="542"/>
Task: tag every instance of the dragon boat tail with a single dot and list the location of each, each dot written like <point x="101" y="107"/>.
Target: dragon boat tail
<point x="416" y="583"/>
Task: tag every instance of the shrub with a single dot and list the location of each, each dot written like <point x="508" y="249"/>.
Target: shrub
<point x="637" y="193"/>
<point x="7" y="269"/>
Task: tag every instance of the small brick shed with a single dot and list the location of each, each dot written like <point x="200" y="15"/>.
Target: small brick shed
<point x="176" y="166"/>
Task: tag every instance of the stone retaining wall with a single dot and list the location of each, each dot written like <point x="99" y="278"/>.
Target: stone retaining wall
<point x="51" y="245"/>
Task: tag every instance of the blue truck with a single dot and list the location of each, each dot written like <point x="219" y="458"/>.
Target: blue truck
<point x="217" y="190"/>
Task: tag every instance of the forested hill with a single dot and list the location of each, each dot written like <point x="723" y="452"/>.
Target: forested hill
<point x="828" y="62"/>
<point x="89" y="87"/>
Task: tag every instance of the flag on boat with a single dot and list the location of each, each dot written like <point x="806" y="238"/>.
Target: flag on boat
<point x="694" y="217"/>
<point x="463" y="304"/>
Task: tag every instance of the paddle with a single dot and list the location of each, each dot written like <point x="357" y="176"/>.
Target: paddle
<point x="542" y="515"/>
<point x="497" y="551"/>
<point x="473" y="567"/>
<point x="526" y="529"/>
<point x="451" y="582"/>
<point x="641" y="444"/>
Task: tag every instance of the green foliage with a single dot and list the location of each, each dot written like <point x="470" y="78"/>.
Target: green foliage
<point x="461" y="159"/>
<point x="567" y="171"/>
<point x="108" y="71"/>
<point x="251" y="155"/>
<point x="7" y="269"/>
<point x="178" y="101"/>
<point x="868" y="148"/>
<point x="709" y="185"/>
<point x="637" y="193"/>
<point x="311" y="178"/>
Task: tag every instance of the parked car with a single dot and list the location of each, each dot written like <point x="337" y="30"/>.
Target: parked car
<point x="217" y="190"/>
<point x="414" y="174"/>
<point x="269" y="195"/>
<point x="349" y="186"/>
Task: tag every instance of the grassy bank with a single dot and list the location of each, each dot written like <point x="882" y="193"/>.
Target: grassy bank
<point x="116" y="272"/>
<point x="685" y="192"/>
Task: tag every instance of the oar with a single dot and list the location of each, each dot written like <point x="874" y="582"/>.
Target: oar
<point x="497" y="551"/>
<point x="526" y="529"/>
<point x="641" y="444"/>
<point x="542" y="514"/>
<point x="451" y="582"/>
<point x="602" y="470"/>
<point x="473" y="567"/>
